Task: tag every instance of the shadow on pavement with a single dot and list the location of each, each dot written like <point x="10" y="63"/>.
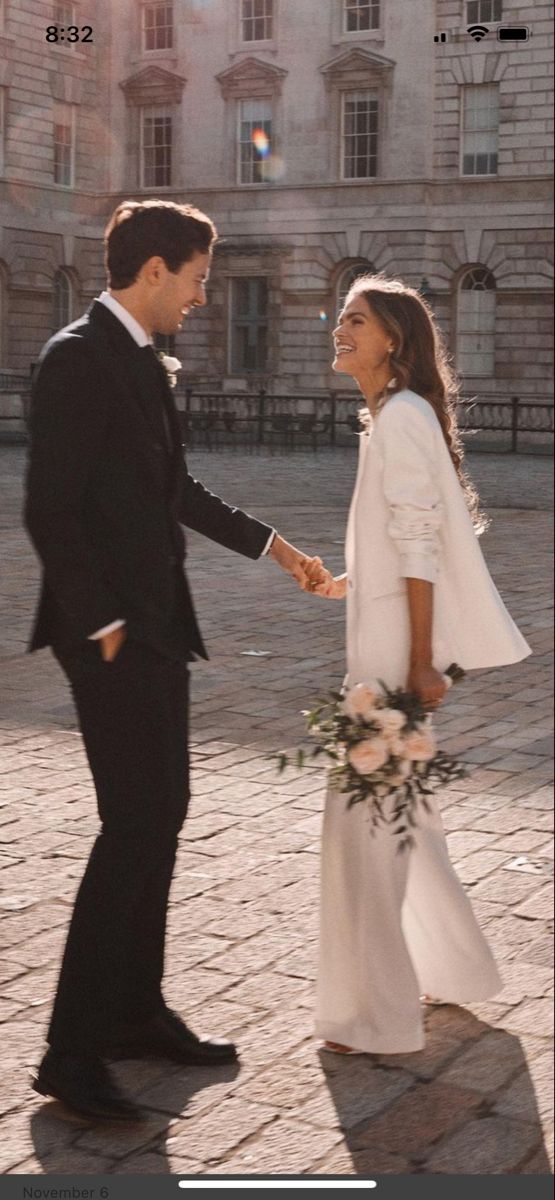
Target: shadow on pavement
<point x="464" y="1105"/>
<point x="65" y="1144"/>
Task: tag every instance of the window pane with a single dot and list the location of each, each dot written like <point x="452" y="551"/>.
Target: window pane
<point x="256" y="20"/>
<point x="157" y="148"/>
<point x="480" y="129"/>
<point x="158" y="26"/>
<point x="255" y="139"/>
<point x="360" y="136"/>
<point x="361" y="15"/>
<point x="249" y="304"/>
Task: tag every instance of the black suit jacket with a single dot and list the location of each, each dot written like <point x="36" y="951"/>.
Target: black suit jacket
<point x="108" y="493"/>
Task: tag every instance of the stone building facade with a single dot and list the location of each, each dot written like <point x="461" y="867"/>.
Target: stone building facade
<point x="323" y="136"/>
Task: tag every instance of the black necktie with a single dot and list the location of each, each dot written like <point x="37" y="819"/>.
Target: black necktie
<point x="153" y="364"/>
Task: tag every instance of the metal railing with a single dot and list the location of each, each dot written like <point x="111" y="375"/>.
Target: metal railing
<point x="212" y="419"/>
<point x="253" y="420"/>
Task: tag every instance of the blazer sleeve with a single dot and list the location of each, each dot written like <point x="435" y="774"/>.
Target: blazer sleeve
<point x="68" y="424"/>
<point x="410" y="473"/>
<point x="206" y="513"/>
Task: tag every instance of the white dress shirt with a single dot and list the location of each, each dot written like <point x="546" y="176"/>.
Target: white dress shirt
<point x="140" y="336"/>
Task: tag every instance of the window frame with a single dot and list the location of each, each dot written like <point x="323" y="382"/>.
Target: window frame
<point x="489" y="371"/>
<point x="153" y="4"/>
<point x="265" y="100"/>
<point x="357" y="33"/>
<point x="72" y="108"/>
<point x="241" y="371"/>
<point x="465" y="90"/>
<point x="144" y="111"/>
<point x="374" y="94"/>
<point x="480" y="20"/>
<point x="62" y="274"/>
<point x="247" y="42"/>
<point x="61" y="21"/>
<point x="3" y="128"/>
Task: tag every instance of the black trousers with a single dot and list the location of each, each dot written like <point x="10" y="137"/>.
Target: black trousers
<point x="133" y="715"/>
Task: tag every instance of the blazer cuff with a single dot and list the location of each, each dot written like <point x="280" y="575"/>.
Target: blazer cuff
<point x="419" y="566"/>
<point x="269" y="543"/>
<point x="100" y="633"/>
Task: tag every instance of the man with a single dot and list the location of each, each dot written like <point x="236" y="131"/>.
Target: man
<point x="108" y="494"/>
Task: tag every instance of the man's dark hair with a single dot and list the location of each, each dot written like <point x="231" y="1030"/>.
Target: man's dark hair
<point x="139" y="230"/>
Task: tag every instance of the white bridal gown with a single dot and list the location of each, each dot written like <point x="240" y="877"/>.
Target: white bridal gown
<point x="397" y="925"/>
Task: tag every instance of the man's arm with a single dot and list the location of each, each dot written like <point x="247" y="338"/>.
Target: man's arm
<point x="206" y="513"/>
<point x="68" y="425"/>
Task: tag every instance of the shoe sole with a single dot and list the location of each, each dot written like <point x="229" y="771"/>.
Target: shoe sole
<point x="44" y="1089"/>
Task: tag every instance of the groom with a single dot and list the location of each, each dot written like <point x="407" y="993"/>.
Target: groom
<point x="108" y="493"/>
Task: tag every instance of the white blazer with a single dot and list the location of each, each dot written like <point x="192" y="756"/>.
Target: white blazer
<point x="409" y="519"/>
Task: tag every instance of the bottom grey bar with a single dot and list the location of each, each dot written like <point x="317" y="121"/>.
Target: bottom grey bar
<point x="390" y="1187"/>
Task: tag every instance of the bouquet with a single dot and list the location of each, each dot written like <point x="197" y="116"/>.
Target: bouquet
<point x="382" y="746"/>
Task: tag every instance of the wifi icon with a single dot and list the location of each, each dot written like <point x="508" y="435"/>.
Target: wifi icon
<point x="477" y="32"/>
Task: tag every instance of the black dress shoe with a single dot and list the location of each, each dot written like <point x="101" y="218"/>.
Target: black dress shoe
<point x="84" y="1085"/>
<point x="167" y="1036"/>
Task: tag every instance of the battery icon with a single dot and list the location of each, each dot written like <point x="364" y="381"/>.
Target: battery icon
<point x="513" y="33"/>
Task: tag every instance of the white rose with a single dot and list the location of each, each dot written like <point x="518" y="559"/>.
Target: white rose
<point x="368" y="756"/>
<point x="360" y="701"/>
<point x="171" y="364"/>
<point x="420" y="746"/>
<point x="391" y="721"/>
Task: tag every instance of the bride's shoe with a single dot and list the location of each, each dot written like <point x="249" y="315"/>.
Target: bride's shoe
<point x="433" y="1000"/>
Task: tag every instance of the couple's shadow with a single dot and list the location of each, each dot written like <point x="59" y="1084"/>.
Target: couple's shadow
<point x="65" y="1144"/>
<point x="466" y="1104"/>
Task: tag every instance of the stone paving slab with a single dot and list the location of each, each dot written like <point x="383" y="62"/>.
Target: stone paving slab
<point x="242" y="928"/>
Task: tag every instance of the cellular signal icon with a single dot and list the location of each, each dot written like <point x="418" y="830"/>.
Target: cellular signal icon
<point x="440" y="37"/>
<point x="477" y="32"/>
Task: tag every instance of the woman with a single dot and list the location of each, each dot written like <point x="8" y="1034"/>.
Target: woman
<point x="397" y="927"/>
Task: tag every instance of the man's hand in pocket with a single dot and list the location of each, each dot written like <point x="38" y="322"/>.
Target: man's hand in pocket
<point x="111" y="643"/>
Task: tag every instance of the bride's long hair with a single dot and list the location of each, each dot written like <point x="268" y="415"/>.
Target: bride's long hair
<point x="420" y="361"/>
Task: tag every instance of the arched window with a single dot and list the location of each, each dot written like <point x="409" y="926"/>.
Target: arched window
<point x="476" y="323"/>
<point x="347" y="278"/>
<point x="62" y="300"/>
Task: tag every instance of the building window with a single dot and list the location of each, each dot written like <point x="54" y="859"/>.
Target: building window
<point x="64" y="15"/>
<point x="156" y="147"/>
<point x="249" y="325"/>
<point x="157" y="26"/>
<point x="476" y="323"/>
<point x="3" y="126"/>
<point x="480" y="129"/>
<point x="3" y="313"/>
<point x="165" y="342"/>
<point x="360" y="15"/>
<point x="360" y="135"/>
<point x="64" y="144"/>
<point x="257" y="17"/>
<point x="347" y="278"/>
<point x="479" y="12"/>
<point x="61" y="301"/>
<point x="254" y="139"/>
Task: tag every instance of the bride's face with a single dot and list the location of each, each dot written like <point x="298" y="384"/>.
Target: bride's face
<point x="360" y="341"/>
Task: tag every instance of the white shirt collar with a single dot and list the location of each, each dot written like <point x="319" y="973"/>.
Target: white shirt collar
<point x="132" y="326"/>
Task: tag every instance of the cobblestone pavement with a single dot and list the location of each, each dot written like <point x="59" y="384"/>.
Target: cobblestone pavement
<point x="242" y="927"/>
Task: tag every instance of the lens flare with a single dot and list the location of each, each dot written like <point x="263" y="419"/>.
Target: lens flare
<point x="261" y="141"/>
<point x="322" y="316"/>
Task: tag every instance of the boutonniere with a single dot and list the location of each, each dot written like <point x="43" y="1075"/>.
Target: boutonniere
<point x="171" y="366"/>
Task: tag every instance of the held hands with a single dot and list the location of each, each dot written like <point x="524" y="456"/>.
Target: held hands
<point x="309" y="572"/>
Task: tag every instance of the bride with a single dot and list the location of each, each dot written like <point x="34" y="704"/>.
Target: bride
<point x="397" y="928"/>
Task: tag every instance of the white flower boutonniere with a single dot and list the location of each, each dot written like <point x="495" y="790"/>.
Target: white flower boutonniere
<point x="171" y="366"/>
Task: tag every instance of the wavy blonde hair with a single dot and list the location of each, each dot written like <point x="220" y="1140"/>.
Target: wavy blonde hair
<point x="420" y="361"/>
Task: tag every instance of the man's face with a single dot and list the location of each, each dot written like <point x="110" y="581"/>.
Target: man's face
<point x="175" y="294"/>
